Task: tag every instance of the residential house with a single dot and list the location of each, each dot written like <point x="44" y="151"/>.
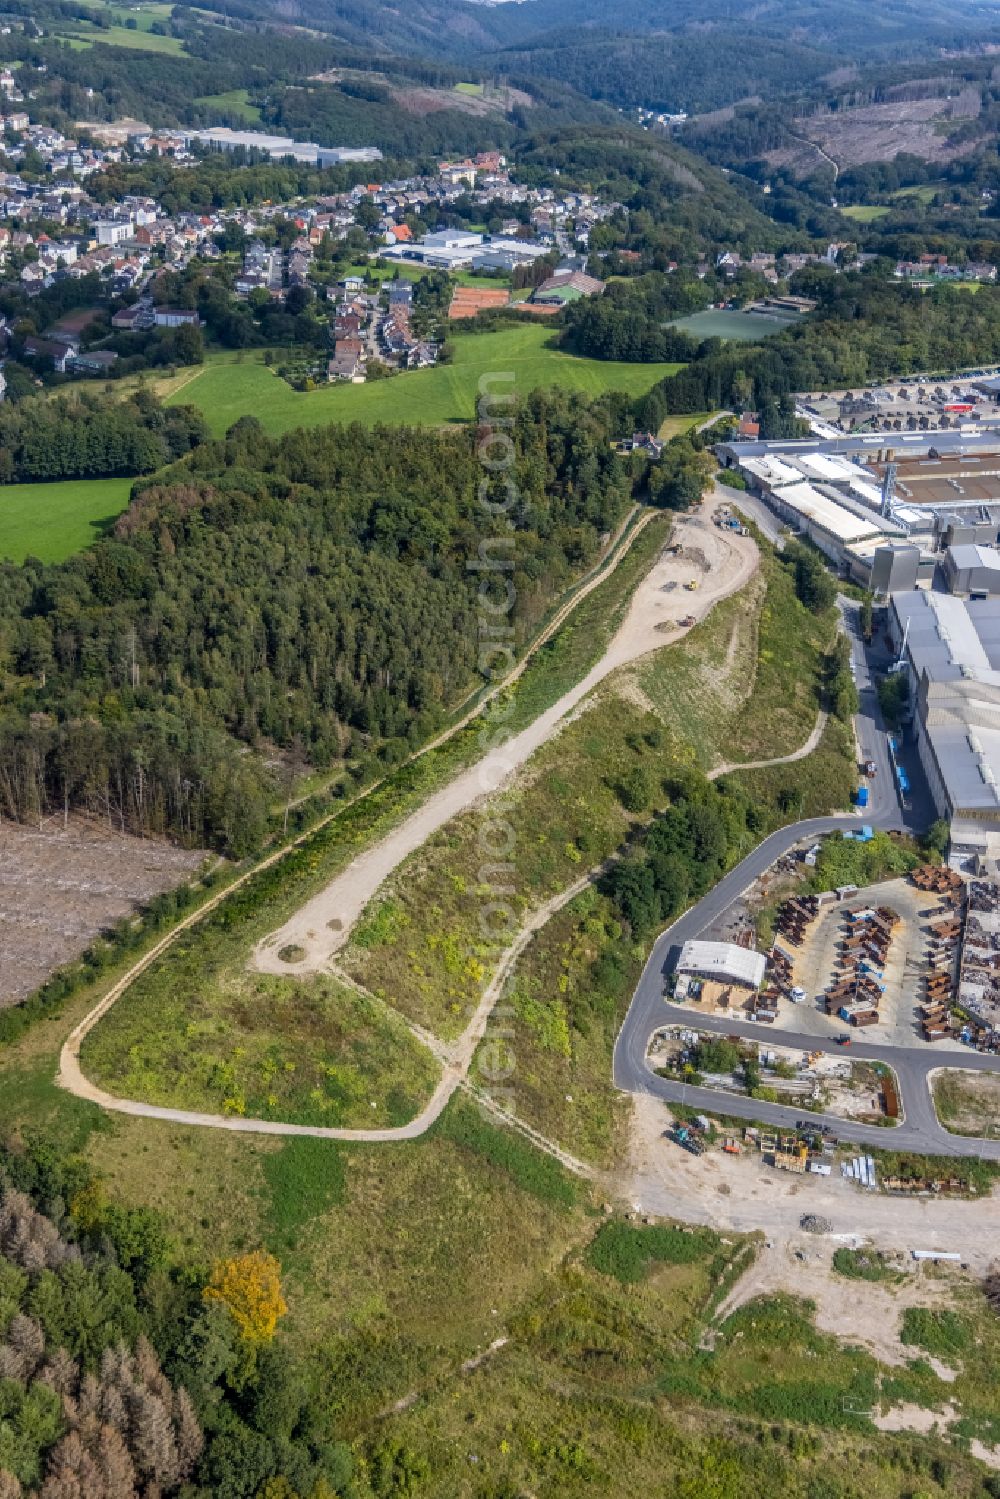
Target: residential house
<point x="56" y="349"/>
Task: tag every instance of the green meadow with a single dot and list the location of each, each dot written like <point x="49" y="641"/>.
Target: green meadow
<point x="52" y="521"/>
<point x="229" y="387"/>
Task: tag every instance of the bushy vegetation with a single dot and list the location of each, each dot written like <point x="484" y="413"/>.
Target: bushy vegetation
<point x="863" y="1264"/>
<point x="628" y="1250"/>
<point x="122" y="1378"/>
<point x="844" y="861"/>
<point x="940" y="1332"/>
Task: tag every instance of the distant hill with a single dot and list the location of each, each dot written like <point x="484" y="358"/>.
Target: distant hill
<point x="693" y="55"/>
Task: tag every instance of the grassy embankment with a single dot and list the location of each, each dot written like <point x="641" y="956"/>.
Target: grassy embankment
<point x="745" y="684"/>
<point x="183" y="1031"/>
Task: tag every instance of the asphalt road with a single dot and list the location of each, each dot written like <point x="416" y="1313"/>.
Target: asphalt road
<point x="648" y="1012"/>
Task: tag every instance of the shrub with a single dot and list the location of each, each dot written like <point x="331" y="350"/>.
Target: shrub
<point x="627" y="1250"/>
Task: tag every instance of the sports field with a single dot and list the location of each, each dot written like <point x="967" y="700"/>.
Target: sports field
<point x="226" y="389"/>
<point x="742" y="327"/>
<point x="52" y="521"/>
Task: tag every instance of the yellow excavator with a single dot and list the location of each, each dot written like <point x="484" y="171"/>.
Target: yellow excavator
<point x="692" y="585"/>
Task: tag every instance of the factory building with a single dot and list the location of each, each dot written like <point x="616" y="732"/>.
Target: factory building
<point x="972" y="571"/>
<point x="943" y="491"/>
<point x="950" y="650"/>
<point x="279" y="147"/>
<point x="828" y="500"/>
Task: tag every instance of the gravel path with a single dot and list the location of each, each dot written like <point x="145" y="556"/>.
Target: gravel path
<point x="323" y="924"/>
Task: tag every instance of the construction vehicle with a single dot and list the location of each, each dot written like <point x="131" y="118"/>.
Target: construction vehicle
<point x="682" y="1135"/>
<point x="687" y="621"/>
<point x="691" y="585"/>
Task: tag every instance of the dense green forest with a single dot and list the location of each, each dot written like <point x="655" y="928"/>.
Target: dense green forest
<point x="691" y="57"/>
<point x="312" y="592"/>
<point x="630" y="320"/>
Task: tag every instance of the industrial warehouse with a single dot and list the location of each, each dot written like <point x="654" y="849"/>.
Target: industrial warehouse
<point x="887" y="516"/>
<point x="950" y="650"/>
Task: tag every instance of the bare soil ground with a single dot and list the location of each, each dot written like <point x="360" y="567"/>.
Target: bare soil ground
<point x="861" y="1312"/>
<point x="742" y="1194"/>
<point x="59" y="888"/>
<point x="425" y="101"/>
<point x="878" y="132"/>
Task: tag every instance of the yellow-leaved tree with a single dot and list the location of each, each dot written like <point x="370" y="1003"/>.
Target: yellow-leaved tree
<point x="250" y="1286"/>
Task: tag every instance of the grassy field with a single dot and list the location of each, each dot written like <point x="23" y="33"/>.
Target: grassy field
<point x="865" y="213"/>
<point x="924" y="194"/>
<point x="229" y="388"/>
<point x="120" y="36"/>
<point x="227" y="1041"/>
<point x="236" y="101"/>
<point x="676" y="426"/>
<point x="52" y="521"/>
<point x="968" y="1103"/>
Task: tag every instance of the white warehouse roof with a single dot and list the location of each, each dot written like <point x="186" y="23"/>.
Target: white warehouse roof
<point x="723" y="961"/>
<point x="771" y="470"/>
<point x="827" y="514"/>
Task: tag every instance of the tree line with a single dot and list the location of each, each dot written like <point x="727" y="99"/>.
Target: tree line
<point x="92" y="437"/>
<point x="125" y="1374"/>
<point x="308" y="597"/>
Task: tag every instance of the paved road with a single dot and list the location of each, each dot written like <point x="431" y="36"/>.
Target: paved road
<point x="648" y="1011"/>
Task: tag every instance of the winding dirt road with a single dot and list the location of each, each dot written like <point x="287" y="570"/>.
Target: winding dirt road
<point x="723" y="562"/>
<point x="320" y="927"/>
